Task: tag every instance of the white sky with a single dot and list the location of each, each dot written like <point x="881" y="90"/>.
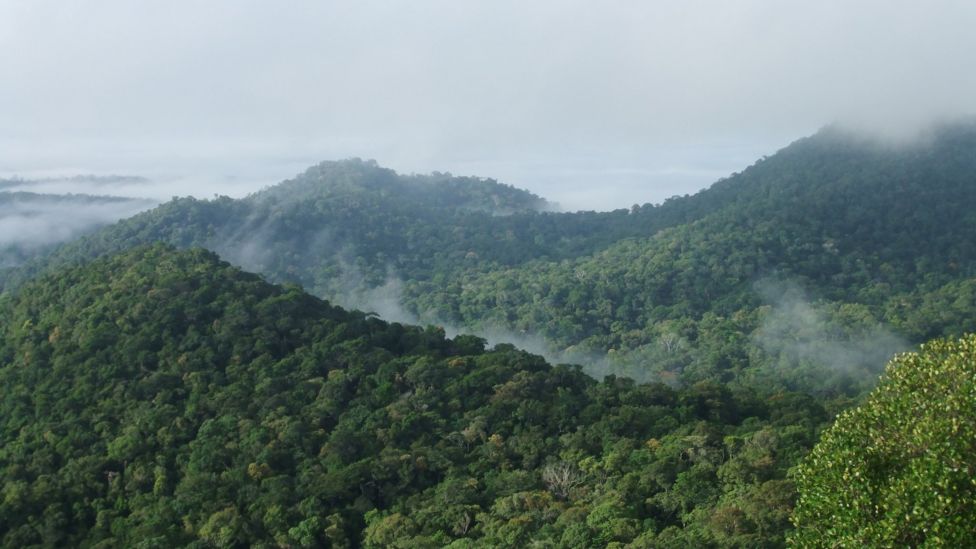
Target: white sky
<point x="591" y="104"/>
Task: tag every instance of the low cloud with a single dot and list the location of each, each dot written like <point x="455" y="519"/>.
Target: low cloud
<point x="841" y="339"/>
<point x="29" y="221"/>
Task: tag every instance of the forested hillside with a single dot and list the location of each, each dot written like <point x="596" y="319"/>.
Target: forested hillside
<point x="872" y="236"/>
<point x="160" y="398"/>
<point x="156" y="397"/>
<point x="805" y="271"/>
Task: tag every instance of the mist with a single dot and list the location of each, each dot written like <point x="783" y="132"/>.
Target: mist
<point x="158" y="188"/>
<point x="593" y="106"/>
<point x="387" y="301"/>
<point x="843" y="339"/>
<point x="30" y="221"/>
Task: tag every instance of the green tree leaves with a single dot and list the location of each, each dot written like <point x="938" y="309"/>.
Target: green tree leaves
<point x="898" y="470"/>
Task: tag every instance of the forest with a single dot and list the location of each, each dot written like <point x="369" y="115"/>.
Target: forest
<point x="832" y="247"/>
<point x="706" y="372"/>
<point x="162" y="398"/>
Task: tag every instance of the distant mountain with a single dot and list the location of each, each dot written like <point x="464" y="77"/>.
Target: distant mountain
<point x="160" y="398"/>
<point x="806" y="270"/>
<point x="872" y="233"/>
<point x="343" y="227"/>
<point x="354" y="181"/>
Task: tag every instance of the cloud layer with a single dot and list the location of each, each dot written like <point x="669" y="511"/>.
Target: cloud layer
<point x="643" y="99"/>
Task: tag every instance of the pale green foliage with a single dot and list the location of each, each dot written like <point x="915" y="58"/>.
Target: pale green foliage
<point x="901" y="469"/>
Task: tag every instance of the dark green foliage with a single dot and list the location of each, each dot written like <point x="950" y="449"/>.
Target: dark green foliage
<point x="676" y="292"/>
<point x="899" y="470"/>
<point x="163" y="398"/>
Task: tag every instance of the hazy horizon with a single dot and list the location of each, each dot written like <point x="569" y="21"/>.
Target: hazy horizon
<point x="571" y="186"/>
<point x="590" y="106"/>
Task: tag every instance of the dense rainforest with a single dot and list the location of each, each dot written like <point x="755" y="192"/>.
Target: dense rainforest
<point x="161" y="398"/>
<point x="156" y="395"/>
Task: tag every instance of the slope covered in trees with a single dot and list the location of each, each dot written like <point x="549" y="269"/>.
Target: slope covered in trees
<point x="164" y="398"/>
<point x="874" y="234"/>
<point x="806" y="270"/>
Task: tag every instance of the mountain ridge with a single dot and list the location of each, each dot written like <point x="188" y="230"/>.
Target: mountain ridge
<point x="868" y="232"/>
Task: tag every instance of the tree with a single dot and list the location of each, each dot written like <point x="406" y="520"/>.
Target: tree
<point x="561" y="478"/>
<point x="898" y="471"/>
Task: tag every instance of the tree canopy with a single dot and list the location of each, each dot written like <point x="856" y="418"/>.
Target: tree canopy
<point x="898" y="470"/>
<point x="165" y="398"/>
